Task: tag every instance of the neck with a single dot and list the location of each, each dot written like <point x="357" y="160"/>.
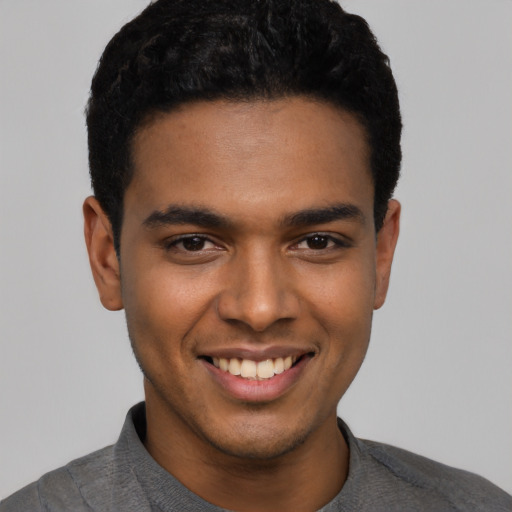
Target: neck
<point x="306" y="478"/>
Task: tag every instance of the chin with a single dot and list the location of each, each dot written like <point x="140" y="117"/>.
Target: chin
<point x="249" y="441"/>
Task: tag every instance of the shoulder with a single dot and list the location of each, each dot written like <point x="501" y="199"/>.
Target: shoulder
<point x="66" y="488"/>
<point x="458" y="489"/>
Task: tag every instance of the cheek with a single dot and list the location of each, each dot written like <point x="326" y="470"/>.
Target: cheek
<point x="162" y="305"/>
<point x="344" y="293"/>
<point x="343" y="305"/>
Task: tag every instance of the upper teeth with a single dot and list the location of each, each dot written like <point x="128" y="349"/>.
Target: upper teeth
<point x="252" y="369"/>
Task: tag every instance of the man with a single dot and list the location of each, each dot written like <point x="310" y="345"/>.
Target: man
<point x="243" y="157"/>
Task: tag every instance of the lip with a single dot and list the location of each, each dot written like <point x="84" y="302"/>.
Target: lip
<point x="258" y="391"/>
<point x="272" y="352"/>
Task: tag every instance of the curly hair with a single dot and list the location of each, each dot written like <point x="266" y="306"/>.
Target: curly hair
<point x="179" y="51"/>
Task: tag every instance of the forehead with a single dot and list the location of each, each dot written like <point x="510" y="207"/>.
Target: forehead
<point x="241" y="155"/>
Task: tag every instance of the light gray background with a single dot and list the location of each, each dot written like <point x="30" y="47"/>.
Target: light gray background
<point x="437" y="378"/>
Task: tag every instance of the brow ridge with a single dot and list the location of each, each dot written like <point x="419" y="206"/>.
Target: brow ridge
<point x="206" y="218"/>
<point x="308" y="217"/>
<point x="179" y="215"/>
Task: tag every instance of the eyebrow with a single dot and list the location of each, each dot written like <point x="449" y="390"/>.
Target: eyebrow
<point x="205" y="218"/>
<point x="325" y="215"/>
<point x="177" y="215"/>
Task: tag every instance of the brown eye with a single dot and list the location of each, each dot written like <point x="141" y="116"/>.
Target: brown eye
<point x="317" y="242"/>
<point x="321" y="242"/>
<point x="193" y="243"/>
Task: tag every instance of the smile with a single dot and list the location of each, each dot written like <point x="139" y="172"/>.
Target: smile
<point x="257" y="377"/>
<point x="254" y="370"/>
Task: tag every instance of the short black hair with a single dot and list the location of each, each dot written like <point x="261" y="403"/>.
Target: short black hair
<point x="179" y="51"/>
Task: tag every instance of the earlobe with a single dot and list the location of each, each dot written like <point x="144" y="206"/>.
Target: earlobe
<point x="387" y="238"/>
<point x="102" y="255"/>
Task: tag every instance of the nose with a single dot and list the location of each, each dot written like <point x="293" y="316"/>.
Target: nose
<point x="258" y="292"/>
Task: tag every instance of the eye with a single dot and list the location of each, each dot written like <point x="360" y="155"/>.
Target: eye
<point x="319" y="241"/>
<point x="191" y="243"/>
<point x="316" y="242"/>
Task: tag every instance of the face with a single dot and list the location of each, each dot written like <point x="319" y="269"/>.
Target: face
<point x="250" y="269"/>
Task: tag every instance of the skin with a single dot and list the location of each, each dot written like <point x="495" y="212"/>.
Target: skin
<point x="264" y="278"/>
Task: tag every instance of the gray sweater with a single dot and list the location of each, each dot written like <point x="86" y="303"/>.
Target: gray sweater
<point x="125" y="478"/>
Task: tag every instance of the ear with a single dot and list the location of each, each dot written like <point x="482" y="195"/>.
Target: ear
<point x="386" y="243"/>
<point x="102" y="255"/>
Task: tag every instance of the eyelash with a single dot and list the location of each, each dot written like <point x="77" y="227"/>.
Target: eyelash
<point x="172" y="244"/>
<point x="337" y="242"/>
